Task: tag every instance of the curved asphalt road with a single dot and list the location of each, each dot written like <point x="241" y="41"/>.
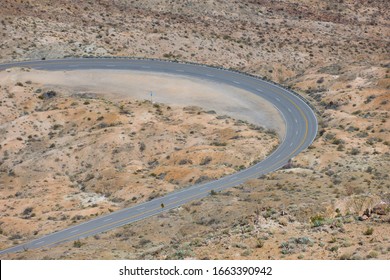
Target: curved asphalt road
<point x="301" y="129"/>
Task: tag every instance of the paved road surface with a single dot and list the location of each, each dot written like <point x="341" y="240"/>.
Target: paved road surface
<point x="301" y="129"/>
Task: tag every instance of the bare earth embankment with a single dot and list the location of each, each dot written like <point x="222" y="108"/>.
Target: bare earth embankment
<point x="332" y="202"/>
<point x="71" y="155"/>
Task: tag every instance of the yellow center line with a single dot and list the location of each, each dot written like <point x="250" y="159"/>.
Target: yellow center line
<point x="190" y="197"/>
<point x="177" y="201"/>
<point x="124" y="219"/>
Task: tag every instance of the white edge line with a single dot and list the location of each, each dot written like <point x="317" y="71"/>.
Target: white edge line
<point x="272" y="84"/>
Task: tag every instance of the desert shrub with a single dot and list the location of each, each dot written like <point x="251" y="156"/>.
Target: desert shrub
<point x="287" y="248"/>
<point x="340" y="147"/>
<point x="181" y="254"/>
<point x="142" y="146"/>
<point x="202" y="179"/>
<point x="241" y="167"/>
<point x="334" y="248"/>
<point x="372" y="255"/>
<point x="369" y="169"/>
<point x="206" y="160"/>
<point x="369" y="231"/>
<point x="48" y="95"/>
<point x="218" y="144"/>
<point x="144" y="241"/>
<point x="337" y="141"/>
<point x="362" y="134"/>
<point x="259" y="243"/>
<point x="317" y="220"/>
<point x="301" y="240"/>
<point x="329" y="136"/>
<point x="369" y="99"/>
<point x="15" y="236"/>
<point x="27" y="211"/>
<point x="77" y="244"/>
<point x="295" y="244"/>
<point x="185" y="161"/>
<point x="355" y="151"/>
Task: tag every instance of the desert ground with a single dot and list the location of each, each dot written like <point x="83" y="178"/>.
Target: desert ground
<point x="331" y="202"/>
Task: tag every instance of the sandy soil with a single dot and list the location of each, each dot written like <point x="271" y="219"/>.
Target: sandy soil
<point x="70" y="155"/>
<point x="167" y="89"/>
<point x="332" y="201"/>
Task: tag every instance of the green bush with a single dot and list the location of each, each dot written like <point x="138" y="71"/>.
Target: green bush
<point x="77" y="244"/>
<point x="317" y="220"/>
<point x="368" y="231"/>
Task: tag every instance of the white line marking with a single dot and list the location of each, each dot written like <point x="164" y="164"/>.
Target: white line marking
<point x="71" y="66"/>
<point x="110" y="65"/>
<point x="296" y="132"/>
<point x="278" y="156"/>
<point x="291" y="144"/>
<point x="277" y="98"/>
<point x="203" y="188"/>
<point x="172" y="198"/>
<point x="145" y="67"/>
<point x="106" y="220"/>
<point x="296" y="121"/>
<point x="73" y="231"/>
<point x="141" y="208"/>
<point x="233" y="178"/>
<point x="236" y="82"/>
<point x="289" y="110"/>
<point x="209" y="75"/>
<point x="179" y="70"/>
<point x="259" y="90"/>
<point x="40" y="242"/>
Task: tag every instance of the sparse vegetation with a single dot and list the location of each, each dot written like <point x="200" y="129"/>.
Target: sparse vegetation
<point x="368" y="231"/>
<point x="77" y="244"/>
<point x="86" y="155"/>
<point x="317" y="220"/>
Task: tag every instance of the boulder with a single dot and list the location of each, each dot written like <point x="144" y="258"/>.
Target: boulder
<point x="380" y="209"/>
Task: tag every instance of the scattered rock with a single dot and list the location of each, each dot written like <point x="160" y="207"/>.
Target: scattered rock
<point x="48" y="95"/>
<point x="363" y="218"/>
<point x="367" y="212"/>
<point x="380" y="209"/>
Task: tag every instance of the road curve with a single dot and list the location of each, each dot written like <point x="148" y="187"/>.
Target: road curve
<point x="301" y="130"/>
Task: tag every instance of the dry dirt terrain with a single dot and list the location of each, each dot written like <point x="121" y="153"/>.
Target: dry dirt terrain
<point x="331" y="202"/>
<point x="68" y="156"/>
